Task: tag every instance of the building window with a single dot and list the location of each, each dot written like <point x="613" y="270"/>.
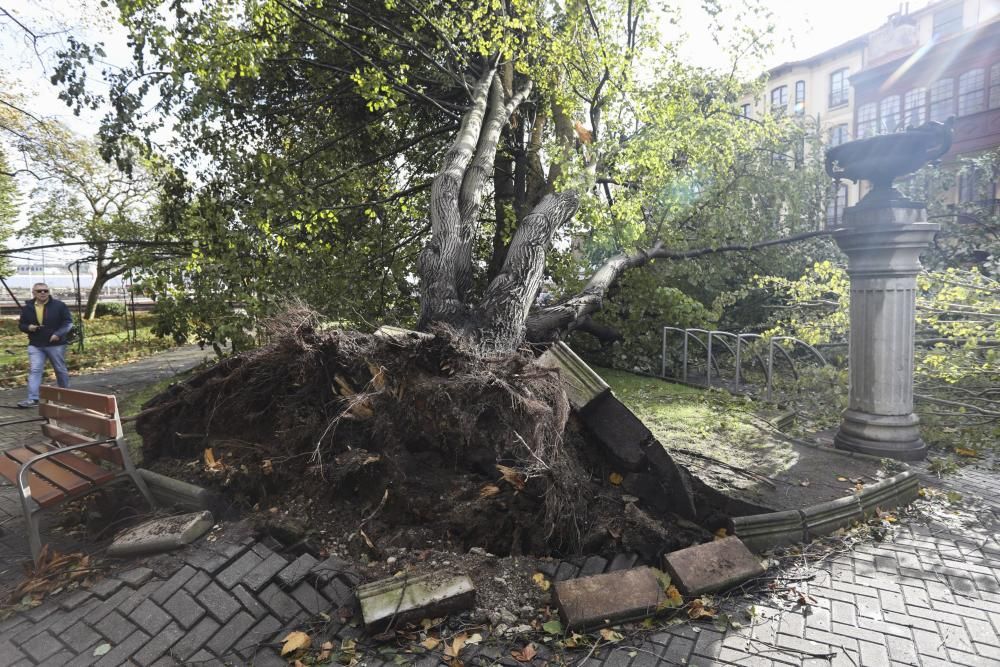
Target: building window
<point x="746" y="111"/>
<point x="838" y="88"/>
<point x="800" y="97"/>
<point x="971" y="92"/>
<point x="779" y="99"/>
<point x="942" y="99"/>
<point x="914" y="102"/>
<point x="947" y="21"/>
<point x="867" y="119"/>
<point x="836" y="205"/>
<point x="968" y="185"/>
<point x="839" y="134"/>
<point x="889" y="112"/>
<point x="995" y="86"/>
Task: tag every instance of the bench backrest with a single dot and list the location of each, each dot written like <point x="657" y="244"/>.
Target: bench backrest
<point x="75" y="417"/>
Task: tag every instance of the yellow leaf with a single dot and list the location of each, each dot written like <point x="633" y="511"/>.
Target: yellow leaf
<point x="615" y="478"/>
<point x="609" y="635"/>
<point x="474" y="638"/>
<point x="430" y="643"/>
<point x="526" y="654"/>
<point x="962" y="451"/>
<point x="295" y="641"/>
<point x="674" y="596"/>
<point x="489" y="491"/>
<point x="700" y="608"/>
<point x="721" y="533"/>
<point x="326" y="650"/>
<point x="541" y="581"/>
<point x="457" y="644"/>
<point x="209" y="457"/>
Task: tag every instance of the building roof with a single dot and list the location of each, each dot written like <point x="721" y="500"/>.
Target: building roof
<point x="849" y="45"/>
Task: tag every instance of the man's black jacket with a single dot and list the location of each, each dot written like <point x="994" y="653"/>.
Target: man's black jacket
<point x="56" y="320"/>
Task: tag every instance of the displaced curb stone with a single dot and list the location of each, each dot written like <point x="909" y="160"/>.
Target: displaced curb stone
<point x="895" y="491"/>
<point x="824" y="518"/>
<point x="713" y="566"/>
<point x="163" y="534"/>
<point x="607" y="599"/>
<point x="172" y="492"/>
<point x="581" y="384"/>
<point x="766" y="531"/>
<point x="412" y="598"/>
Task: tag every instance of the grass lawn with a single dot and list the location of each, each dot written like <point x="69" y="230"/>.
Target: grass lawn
<point x="695" y="423"/>
<point x="107" y="343"/>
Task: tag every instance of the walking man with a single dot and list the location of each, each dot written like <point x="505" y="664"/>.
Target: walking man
<point x="46" y="321"/>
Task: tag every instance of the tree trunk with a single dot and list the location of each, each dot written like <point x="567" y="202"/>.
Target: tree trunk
<point x="100" y="280"/>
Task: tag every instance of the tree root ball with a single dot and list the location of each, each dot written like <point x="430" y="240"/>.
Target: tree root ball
<point x="411" y="439"/>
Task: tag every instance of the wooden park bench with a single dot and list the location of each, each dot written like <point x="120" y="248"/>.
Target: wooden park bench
<point x="83" y="450"/>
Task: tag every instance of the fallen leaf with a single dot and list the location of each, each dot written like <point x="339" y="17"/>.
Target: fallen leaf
<point x="553" y="627"/>
<point x="805" y="482"/>
<point x="615" y="478"/>
<point x="430" y="643"/>
<point x="701" y="608"/>
<point x="266" y="467"/>
<point x="474" y="638"/>
<point x="455" y="647"/>
<point x="294" y="641"/>
<point x="541" y="581"/>
<point x="674" y="597"/>
<point x="489" y="491"/>
<point x="721" y="533"/>
<point x="211" y="462"/>
<point x="512" y="477"/>
<point x="609" y="635"/>
<point x="962" y="451"/>
<point x="526" y="654"/>
<point x="102" y="649"/>
<point x="842" y="479"/>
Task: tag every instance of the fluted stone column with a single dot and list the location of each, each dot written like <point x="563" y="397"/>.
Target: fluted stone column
<point x="883" y="245"/>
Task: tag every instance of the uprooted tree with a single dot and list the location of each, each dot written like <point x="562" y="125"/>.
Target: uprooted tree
<point x="310" y="165"/>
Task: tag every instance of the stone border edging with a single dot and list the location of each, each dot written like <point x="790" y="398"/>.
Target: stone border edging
<point x="774" y="529"/>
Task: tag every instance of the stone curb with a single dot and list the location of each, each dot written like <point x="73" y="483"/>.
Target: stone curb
<point x="774" y="529"/>
<point x="173" y="492"/>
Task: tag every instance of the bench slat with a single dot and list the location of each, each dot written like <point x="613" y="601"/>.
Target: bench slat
<point x="81" y="466"/>
<point x="103" y="403"/>
<point x="51" y="472"/>
<point x="107" y="452"/>
<point x="84" y="420"/>
<point x="41" y="491"/>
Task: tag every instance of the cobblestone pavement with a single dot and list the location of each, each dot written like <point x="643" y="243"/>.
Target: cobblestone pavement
<point x="924" y="591"/>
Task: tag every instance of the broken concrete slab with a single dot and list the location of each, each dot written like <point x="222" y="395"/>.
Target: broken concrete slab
<point x="618" y="429"/>
<point x="171" y="492"/>
<point x="409" y="599"/>
<point x="581" y="384"/>
<point x="713" y="566"/>
<point x="162" y="534"/>
<point x="607" y="599"/>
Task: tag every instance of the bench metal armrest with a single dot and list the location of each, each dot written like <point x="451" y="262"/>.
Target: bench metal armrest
<point x="44" y="455"/>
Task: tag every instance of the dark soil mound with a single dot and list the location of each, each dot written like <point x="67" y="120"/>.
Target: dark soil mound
<point x="404" y="441"/>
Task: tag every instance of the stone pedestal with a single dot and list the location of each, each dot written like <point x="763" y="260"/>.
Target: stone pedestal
<point x="883" y="245"/>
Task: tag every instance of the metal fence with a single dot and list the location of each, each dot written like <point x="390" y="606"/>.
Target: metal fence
<point x="751" y="358"/>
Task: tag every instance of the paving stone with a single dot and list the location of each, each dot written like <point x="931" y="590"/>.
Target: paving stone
<point x="258" y="577"/>
<point x="607" y="599"/>
<point x="119" y="655"/>
<point x="114" y="627"/>
<point x="172" y="585"/>
<point x="565" y="571"/>
<point x="106" y="587"/>
<point x="713" y="566"/>
<point x="340" y="593"/>
<point x="412" y="598"/>
<point x="160" y="643"/>
<point x="194" y="639"/>
<point x="197" y="582"/>
<point x="137" y="576"/>
<point x="150" y="617"/>
<point x="70" y="617"/>
<point x="109" y="605"/>
<point x="297" y="570"/>
<point x="41" y="646"/>
<point x="239" y="568"/>
<point x="210" y="561"/>
<point x="184" y="608"/>
<point x="622" y="562"/>
<point x="138" y="596"/>
<point x="230" y="633"/>
<point x="279" y="603"/>
<point x="220" y="603"/>
<point x="79" y="635"/>
<point x="249" y="602"/>
<point x="261" y="633"/>
<point x="593" y="565"/>
<point x="336" y="567"/>
<point x="310" y="599"/>
<point x="73" y="600"/>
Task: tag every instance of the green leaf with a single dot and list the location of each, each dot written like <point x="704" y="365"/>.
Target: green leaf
<point x="553" y="627"/>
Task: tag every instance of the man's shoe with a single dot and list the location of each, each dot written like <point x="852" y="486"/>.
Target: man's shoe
<point x="27" y="403"/>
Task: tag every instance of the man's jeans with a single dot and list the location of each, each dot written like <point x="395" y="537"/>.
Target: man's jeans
<point x="36" y="360"/>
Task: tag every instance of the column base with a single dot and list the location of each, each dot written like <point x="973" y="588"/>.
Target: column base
<point x="887" y="436"/>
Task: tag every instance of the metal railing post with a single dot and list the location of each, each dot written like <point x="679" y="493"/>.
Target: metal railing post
<point x="663" y="355"/>
<point x="684" y="373"/>
<point x="708" y="369"/>
<point x="739" y="341"/>
<point x="770" y="367"/>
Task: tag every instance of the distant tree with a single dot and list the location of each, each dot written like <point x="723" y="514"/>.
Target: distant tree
<point x="79" y="196"/>
<point x="9" y="205"/>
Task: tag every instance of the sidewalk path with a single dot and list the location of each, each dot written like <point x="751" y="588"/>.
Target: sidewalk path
<point x="923" y="591"/>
